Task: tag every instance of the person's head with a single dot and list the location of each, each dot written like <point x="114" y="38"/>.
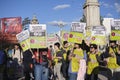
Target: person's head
<point x="51" y="46"/>
<point x="57" y="46"/>
<point x="113" y="43"/>
<point x="16" y="46"/>
<point x="65" y="44"/>
<point x="77" y="46"/>
<point x="93" y="47"/>
<point x="44" y="51"/>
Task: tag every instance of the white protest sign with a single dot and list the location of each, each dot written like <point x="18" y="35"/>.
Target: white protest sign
<point x="37" y="29"/>
<point x="98" y="30"/>
<point x="115" y="24"/>
<point x="38" y="37"/>
<point x="78" y="27"/>
<point x="23" y="35"/>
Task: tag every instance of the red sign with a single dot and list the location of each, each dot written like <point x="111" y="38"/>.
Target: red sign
<point x="11" y="25"/>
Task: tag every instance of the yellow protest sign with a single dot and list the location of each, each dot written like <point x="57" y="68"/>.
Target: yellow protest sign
<point x="75" y="37"/>
<point x="99" y="40"/>
<point x="38" y="36"/>
<point x="65" y="35"/>
<point x="37" y="42"/>
<point x="115" y="35"/>
<point x="23" y="39"/>
<point x="25" y="45"/>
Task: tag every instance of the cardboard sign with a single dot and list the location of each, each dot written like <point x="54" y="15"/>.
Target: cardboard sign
<point x="75" y="37"/>
<point x="78" y="27"/>
<point x="65" y="35"/>
<point x="23" y="39"/>
<point x="51" y="39"/>
<point x="98" y="35"/>
<point x="38" y="36"/>
<point x="99" y="40"/>
<point x="115" y="29"/>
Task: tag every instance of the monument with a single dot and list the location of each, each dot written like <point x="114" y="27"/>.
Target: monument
<point x="92" y="13"/>
<point x="34" y="20"/>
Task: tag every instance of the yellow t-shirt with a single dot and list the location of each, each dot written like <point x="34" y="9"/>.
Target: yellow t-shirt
<point x="112" y="63"/>
<point x="92" y="63"/>
<point x="75" y="60"/>
<point x="55" y="58"/>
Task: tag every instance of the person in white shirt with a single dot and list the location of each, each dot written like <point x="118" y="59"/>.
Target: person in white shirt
<point x="17" y="54"/>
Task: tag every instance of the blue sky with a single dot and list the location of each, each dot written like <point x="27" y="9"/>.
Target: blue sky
<point x="55" y="10"/>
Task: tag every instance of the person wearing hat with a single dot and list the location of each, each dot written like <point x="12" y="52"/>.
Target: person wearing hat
<point x="92" y="61"/>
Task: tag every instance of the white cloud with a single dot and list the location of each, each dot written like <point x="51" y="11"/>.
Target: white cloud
<point x="106" y="5"/>
<point x="57" y="23"/>
<point x="117" y="6"/>
<point x="109" y="15"/>
<point x="63" y="6"/>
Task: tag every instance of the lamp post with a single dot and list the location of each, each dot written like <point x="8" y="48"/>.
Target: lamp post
<point x="59" y="24"/>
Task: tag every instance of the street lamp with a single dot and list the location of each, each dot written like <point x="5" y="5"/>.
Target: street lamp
<point x="59" y="24"/>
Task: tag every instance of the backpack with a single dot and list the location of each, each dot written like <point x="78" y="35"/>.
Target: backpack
<point x="2" y="57"/>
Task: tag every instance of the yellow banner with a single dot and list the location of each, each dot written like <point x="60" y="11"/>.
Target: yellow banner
<point x="37" y="42"/>
<point x="115" y="35"/>
<point x="65" y="36"/>
<point x="99" y="40"/>
<point x="75" y="37"/>
<point x="25" y="45"/>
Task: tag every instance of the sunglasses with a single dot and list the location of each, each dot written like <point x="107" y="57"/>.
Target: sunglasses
<point x="91" y="47"/>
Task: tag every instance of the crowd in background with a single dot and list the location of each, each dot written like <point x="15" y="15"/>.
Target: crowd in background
<point x="64" y="61"/>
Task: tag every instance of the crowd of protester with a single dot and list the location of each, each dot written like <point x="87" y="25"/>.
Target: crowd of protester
<point x="64" y="61"/>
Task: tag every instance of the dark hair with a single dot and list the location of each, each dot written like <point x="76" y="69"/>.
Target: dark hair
<point x="57" y="44"/>
<point x="65" y="42"/>
<point x="50" y="46"/>
<point x="93" y="46"/>
<point x="112" y="41"/>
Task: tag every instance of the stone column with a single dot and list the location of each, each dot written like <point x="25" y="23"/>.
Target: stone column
<point x="92" y="13"/>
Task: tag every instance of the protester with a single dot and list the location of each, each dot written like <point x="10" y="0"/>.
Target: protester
<point x="113" y="63"/>
<point x="65" y="62"/>
<point x="28" y="65"/>
<point x="41" y="63"/>
<point x="92" y="62"/>
<point x="74" y="58"/>
<point x="17" y="54"/>
<point x="58" y="62"/>
<point x="3" y="62"/>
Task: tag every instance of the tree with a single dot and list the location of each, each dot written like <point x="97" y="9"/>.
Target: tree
<point x="25" y="22"/>
<point x="101" y="20"/>
<point x="83" y="19"/>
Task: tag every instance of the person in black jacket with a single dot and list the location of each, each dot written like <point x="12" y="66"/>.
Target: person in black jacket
<point x="28" y="65"/>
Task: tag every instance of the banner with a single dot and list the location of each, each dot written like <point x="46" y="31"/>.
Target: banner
<point x="38" y="36"/>
<point x="115" y="29"/>
<point x="65" y="36"/>
<point x="98" y="31"/>
<point x="99" y="40"/>
<point x="78" y="27"/>
<point x="11" y="25"/>
<point x="98" y="35"/>
<point x="51" y="39"/>
<point x="75" y="37"/>
<point x="23" y="39"/>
